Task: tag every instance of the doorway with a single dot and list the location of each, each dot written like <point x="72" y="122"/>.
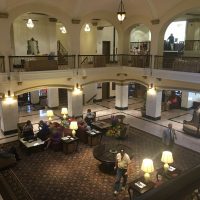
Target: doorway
<point x="105" y="90"/>
<point x="106" y="50"/>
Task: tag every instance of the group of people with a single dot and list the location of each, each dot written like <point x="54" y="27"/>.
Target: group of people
<point x="123" y="161"/>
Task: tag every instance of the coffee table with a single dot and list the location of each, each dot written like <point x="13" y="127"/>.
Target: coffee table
<point x="106" y="154"/>
<point x="70" y="144"/>
<point x="94" y="137"/>
<point x="101" y="125"/>
<point x="32" y="145"/>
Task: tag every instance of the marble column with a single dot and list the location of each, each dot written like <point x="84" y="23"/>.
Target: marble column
<point x="52" y="98"/>
<point x="9" y="116"/>
<point x="121" y="101"/>
<point x="153" y="104"/>
<point x="75" y="103"/>
<point x="35" y="99"/>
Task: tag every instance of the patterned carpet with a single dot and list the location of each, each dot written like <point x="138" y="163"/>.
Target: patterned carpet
<point x="56" y="176"/>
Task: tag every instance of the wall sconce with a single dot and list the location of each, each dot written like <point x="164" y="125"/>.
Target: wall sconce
<point x="30" y="23"/>
<point x="121" y="14"/>
<point x="50" y="114"/>
<point x="87" y="28"/>
<point x="77" y="89"/>
<point x="63" y="30"/>
<point x="147" y="167"/>
<point x="152" y="90"/>
<point x="9" y="99"/>
<point x="74" y="126"/>
<point x="64" y="112"/>
<point x="151" y="86"/>
<point x="167" y="158"/>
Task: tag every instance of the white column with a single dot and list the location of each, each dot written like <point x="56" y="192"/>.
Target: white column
<point x="52" y="97"/>
<point x="187" y="99"/>
<point x="35" y="99"/>
<point x="75" y="103"/>
<point x="153" y="104"/>
<point x="9" y="116"/>
<point x="121" y="101"/>
<point x="99" y="92"/>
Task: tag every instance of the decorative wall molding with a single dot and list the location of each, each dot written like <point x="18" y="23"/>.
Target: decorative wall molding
<point x="155" y="21"/>
<point x="3" y="15"/>
<point x="76" y="21"/>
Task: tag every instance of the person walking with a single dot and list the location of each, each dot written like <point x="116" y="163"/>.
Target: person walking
<point x="122" y="167"/>
<point x="168" y="137"/>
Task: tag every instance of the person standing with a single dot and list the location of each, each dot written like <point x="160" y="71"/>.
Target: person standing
<point x="171" y="41"/>
<point x="122" y="166"/>
<point x="169" y="136"/>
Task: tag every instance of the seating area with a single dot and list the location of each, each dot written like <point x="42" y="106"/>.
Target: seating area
<point x="192" y="127"/>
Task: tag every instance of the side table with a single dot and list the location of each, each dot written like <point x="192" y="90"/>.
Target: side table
<point x="94" y="137"/>
<point x="139" y="186"/>
<point x="70" y="144"/>
<point x="171" y="173"/>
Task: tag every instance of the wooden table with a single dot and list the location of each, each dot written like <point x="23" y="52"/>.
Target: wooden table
<point x="139" y="187"/>
<point x="32" y="145"/>
<point x="101" y="125"/>
<point x="171" y="173"/>
<point x="70" y="144"/>
<point x="94" y="137"/>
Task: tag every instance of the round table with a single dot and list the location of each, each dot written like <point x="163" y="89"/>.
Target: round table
<point x="106" y="154"/>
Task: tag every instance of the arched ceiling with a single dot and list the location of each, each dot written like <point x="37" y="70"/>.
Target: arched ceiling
<point x="152" y="9"/>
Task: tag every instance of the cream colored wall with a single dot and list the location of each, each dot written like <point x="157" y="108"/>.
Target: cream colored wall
<point x="64" y="38"/>
<point x="193" y="31"/>
<point x="112" y="92"/>
<point x="88" y="41"/>
<point x="44" y="32"/>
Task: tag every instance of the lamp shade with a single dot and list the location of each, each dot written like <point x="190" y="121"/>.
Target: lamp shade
<point x="73" y="125"/>
<point x="64" y="111"/>
<point x="121" y="14"/>
<point x="167" y="157"/>
<point x="147" y="165"/>
<point x="49" y="113"/>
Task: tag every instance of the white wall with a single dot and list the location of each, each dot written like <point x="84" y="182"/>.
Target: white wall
<point x="112" y="92"/>
<point x="89" y="91"/>
<point x="64" y="38"/>
<point x="188" y="98"/>
<point x="106" y="35"/>
<point x="88" y="41"/>
<point x="44" y="32"/>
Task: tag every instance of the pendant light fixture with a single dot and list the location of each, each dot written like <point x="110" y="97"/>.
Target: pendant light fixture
<point x="121" y="14"/>
<point x="87" y="28"/>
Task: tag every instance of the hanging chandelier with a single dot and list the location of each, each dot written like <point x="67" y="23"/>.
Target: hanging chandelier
<point x="30" y="23"/>
<point x="121" y="14"/>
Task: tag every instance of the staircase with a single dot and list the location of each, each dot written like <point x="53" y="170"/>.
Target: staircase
<point x="62" y="54"/>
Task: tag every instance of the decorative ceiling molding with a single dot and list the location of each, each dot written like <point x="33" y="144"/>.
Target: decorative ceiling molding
<point x="52" y="19"/>
<point x="3" y="15"/>
<point x="76" y="21"/>
<point x="155" y="21"/>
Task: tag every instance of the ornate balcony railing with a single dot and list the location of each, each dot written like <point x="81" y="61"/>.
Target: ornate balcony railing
<point x="174" y="63"/>
<point x="2" y="64"/>
<point x="91" y="61"/>
<point x="41" y="63"/>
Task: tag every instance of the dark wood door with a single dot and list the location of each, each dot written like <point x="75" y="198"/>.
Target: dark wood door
<point x="106" y="50"/>
<point x="105" y="90"/>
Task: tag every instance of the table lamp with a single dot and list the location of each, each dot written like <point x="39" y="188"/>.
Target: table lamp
<point x="167" y="158"/>
<point x="74" y="126"/>
<point x="147" y="167"/>
<point x="50" y="114"/>
<point x="64" y="112"/>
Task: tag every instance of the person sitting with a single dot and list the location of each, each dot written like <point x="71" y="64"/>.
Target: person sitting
<point x="55" y="137"/>
<point x="27" y="132"/>
<point x="43" y="131"/>
<point x="90" y="117"/>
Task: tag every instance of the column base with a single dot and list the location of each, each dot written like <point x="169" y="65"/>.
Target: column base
<point x="152" y="118"/>
<point x="121" y="108"/>
<point x="182" y="108"/>
<point x="14" y="131"/>
<point x="97" y="100"/>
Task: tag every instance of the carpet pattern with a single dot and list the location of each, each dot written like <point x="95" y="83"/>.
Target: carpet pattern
<point x="56" y="176"/>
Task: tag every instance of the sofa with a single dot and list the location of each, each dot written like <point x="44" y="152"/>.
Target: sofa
<point x="192" y="127"/>
<point x="6" y="160"/>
